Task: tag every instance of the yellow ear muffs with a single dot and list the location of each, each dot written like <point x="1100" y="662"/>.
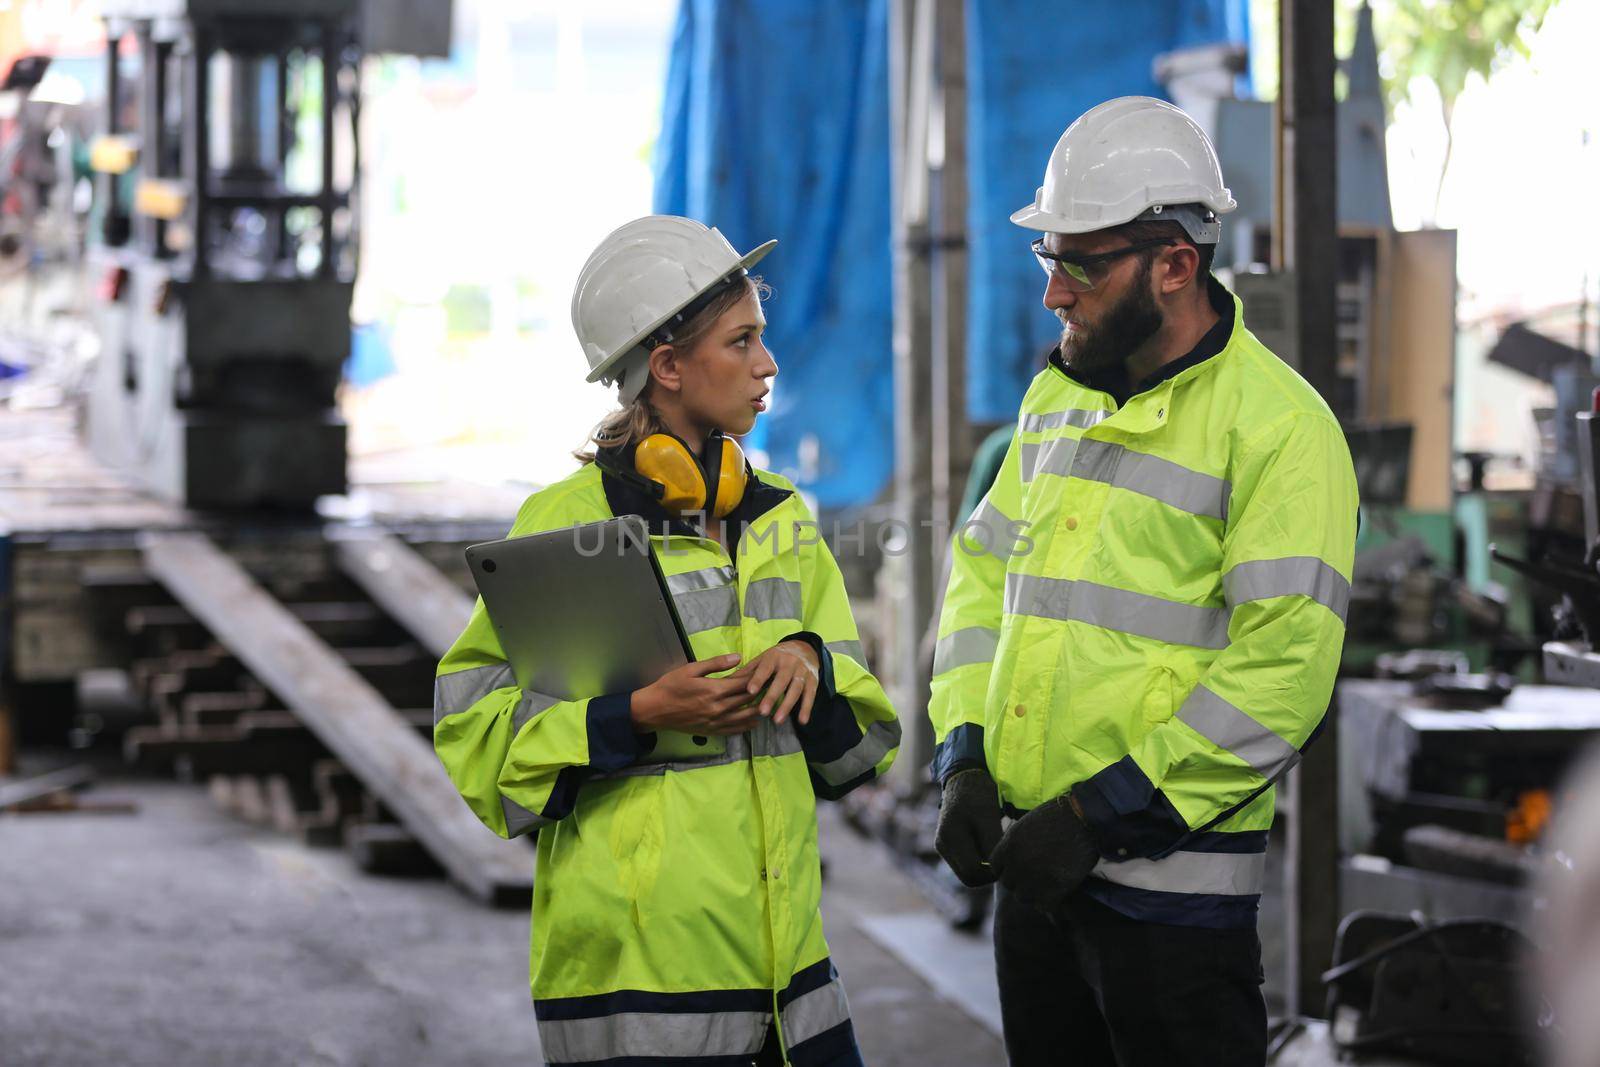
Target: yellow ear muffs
<point x="664" y="459"/>
<point x="730" y="478"/>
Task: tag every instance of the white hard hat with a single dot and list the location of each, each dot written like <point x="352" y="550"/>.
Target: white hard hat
<point x="639" y="278"/>
<point x="1132" y="158"/>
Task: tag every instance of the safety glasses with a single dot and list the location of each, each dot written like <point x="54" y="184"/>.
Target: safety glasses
<point x="1083" y="273"/>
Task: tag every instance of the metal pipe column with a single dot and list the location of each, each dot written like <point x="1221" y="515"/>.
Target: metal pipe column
<point x="1306" y="242"/>
<point x="910" y="52"/>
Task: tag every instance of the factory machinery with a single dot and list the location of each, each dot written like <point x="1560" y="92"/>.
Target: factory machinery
<point x="172" y="584"/>
<point x="228" y="244"/>
<point x="1448" y="779"/>
<point x="167" y="579"/>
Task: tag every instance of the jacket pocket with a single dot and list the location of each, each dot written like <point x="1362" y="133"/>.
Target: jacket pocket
<point x="1161" y="695"/>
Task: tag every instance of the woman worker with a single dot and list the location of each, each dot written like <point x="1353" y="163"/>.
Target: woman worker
<point x="675" y="913"/>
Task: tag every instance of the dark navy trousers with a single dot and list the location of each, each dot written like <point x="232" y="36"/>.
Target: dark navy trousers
<point x="1094" y="987"/>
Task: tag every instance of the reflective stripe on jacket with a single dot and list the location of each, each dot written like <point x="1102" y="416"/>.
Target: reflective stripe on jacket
<point x="675" y="911"/>
<point x="1156" y="620"/>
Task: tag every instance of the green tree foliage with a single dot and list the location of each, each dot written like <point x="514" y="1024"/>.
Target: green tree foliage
<point x="1446" y="42"/>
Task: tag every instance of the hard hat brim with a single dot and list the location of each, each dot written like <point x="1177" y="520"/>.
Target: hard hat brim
<point x="1032" y="218"/>
<point x="605" y="367"/>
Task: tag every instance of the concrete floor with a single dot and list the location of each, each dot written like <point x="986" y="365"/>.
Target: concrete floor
<point x="179" y="936"/>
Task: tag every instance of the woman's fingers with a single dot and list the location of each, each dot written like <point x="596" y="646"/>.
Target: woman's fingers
<point x="734" y="721"/>
<point x="720" y="688"/>
<point x="726" y="702"/>
<point x="782" y="675"/>
<point x="708" y="695"/>
<point x="807" y="701"/>
<point x="762" y="672"/>
<point x="731" y="704"/>
<point x="791" y="696"/>
<point x="703" y="667"/>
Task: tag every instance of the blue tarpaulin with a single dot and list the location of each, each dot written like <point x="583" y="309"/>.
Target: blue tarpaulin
<point x="371" y="354"/>
<point x="1031" y="69"/>
<point x="776" y="124"/>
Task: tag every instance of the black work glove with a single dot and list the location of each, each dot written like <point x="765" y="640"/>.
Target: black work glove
<point x="969" y="825"/>
<point x="1045" y="855"/>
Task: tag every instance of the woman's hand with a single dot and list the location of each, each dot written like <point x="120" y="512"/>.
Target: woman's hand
<point x="788" y="672"/>
<point x="684" y="699"/>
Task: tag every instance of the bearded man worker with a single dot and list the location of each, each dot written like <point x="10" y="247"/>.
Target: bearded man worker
<point x="1128" y="678"/>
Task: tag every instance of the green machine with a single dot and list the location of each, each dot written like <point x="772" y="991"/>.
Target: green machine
<point x="1426" y="580"/>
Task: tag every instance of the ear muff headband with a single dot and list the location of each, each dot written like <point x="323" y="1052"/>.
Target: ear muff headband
<point x="711" y="465"/>
<point x="605" y="462"/>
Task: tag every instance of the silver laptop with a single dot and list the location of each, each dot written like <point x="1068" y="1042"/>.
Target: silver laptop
<point x="584" y="611"/>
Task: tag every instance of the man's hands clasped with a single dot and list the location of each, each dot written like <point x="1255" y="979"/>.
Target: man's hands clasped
<point x="1045" y="855"/>
<point x="1042" y="857"/>
<point x="685" y="699"/>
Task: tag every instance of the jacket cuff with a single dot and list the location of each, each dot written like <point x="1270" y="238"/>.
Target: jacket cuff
<point x="1126" y="814"/>
<point x="833" y="730"/>
<point x="839" y="755"/>
<point x="961" y="750"/>
<point x="613" y="744"/>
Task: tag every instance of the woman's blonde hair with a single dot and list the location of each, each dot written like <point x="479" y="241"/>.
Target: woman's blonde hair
<point x="638" y="420"/>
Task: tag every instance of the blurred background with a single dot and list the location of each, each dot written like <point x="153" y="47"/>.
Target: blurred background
<point x="284" y="325"/>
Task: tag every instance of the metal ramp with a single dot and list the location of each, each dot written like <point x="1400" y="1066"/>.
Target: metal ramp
<point x="340" y="707"/>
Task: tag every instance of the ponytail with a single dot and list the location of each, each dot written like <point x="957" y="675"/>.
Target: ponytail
<point x="622" y="427"/>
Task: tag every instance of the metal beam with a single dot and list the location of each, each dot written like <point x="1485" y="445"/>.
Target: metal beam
<point x="1305" y="242"/>
<point x="1306" y="237"/>
<point x="332" y="61"/>
<point x="8" y="729"/>
<point x="911" y="28"/>
<point x="345" y="712"/>
<point x="951" y="444"/>
<point x="933" y="449"/>
<point x="29" y="790"/>
<point x="426" y="604"/>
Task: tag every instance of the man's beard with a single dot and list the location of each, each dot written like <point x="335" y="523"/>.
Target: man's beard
<point x="1129" y="323"/>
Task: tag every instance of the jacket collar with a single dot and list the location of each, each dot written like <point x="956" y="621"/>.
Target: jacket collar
<point x="1215" y="340"/>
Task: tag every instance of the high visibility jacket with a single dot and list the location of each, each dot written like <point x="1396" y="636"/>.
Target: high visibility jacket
<point x="675" y="910"/>
<point x="1156" y="621"/>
